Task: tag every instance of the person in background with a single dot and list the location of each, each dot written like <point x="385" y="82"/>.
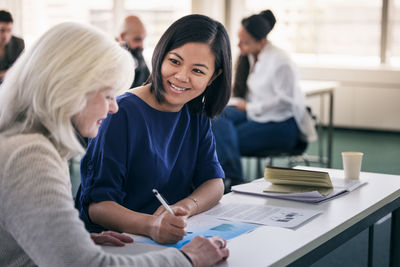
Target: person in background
<point x="161" y="139"/>
<point x="267" y="110"/>
<point x="10" y="45"/>
<point x="45" y="99"/>
<point x="132" y="38"/>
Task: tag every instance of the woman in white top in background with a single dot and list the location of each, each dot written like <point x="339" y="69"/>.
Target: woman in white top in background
<point x="65" y="85"/>
<point x="267" y="111"/>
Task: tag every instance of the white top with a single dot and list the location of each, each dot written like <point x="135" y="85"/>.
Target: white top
<point x="274" y="93"/>
<point x="38" y="222"/>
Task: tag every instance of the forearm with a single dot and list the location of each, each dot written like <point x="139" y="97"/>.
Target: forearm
<point x="113" y="216"/>
<point x="204" y="197"/>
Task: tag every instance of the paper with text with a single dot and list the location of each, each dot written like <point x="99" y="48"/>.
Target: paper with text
<point x="263" y="214"/>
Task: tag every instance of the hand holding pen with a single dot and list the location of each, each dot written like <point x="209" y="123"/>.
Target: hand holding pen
<point x="163" y="202"/>
<point x="168" y="227"/>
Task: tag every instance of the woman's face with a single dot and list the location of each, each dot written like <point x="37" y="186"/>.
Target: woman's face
<point x="186" y="72"/>
<point x="98" y="105"/>
<point x="247" y="44"/>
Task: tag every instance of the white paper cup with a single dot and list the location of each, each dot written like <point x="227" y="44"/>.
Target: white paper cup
<point x="352" y="164"/>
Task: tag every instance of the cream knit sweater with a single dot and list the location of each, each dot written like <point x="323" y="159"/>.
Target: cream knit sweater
<point x="38" y="222"/>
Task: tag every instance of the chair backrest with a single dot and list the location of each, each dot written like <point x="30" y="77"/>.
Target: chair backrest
<point x="299" y="149"/>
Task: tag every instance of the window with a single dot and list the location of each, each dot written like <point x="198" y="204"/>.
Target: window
<point x="157" y="15"/>
<point x="39" y="15"/>
<point x="329" y="32"/>
<point x="394" y="29"/>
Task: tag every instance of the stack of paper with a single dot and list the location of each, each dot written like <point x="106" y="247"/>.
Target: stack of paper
<point x="340" y="187"/>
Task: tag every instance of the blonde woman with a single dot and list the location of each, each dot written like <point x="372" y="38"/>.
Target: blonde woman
<point x="64" y="86"/>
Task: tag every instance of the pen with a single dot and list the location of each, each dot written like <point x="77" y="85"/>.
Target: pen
<point x="161" y="199"/>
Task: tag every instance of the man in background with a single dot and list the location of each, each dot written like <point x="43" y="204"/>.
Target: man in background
<point x="132" y="36"/>
<point x="10" y="46"/>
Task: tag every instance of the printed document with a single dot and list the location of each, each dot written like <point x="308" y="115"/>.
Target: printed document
<point x="263" y="214"/>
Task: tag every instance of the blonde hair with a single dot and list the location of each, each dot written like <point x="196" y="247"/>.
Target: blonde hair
<point x="49" y="83"/>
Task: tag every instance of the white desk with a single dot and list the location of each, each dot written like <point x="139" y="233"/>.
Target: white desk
<point x="342" y="218"/>
<point x="322" y="88"/>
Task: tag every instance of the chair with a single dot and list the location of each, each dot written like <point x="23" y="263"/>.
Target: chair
<point x="297" y="151"/>
<point x="295" y="155"/>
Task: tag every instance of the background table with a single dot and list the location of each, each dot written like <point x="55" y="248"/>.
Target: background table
<point x="321" y="89"/>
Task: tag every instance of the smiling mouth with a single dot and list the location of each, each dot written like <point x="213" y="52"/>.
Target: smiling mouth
<point x="176" y="88"/>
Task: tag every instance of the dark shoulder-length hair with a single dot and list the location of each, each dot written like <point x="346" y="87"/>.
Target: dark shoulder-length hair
<point x="241" y="75"/>
<point x="199" y="29"/>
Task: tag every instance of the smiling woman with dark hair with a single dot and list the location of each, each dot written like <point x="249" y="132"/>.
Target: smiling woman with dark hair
<point x="161" y="138"/>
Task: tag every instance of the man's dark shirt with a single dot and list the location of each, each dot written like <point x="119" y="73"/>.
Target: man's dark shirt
<point x="141" y="71"/>
<point x="13" y="50"/>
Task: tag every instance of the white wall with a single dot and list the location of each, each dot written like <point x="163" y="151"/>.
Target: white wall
<point x="13" y="6"/>
<point x="366" y="99"/>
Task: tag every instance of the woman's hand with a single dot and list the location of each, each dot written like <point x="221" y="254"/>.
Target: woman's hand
<point x="206" y="251"/>
<point x="167" y="228"/>
<point x="241" y="104"/>
<point x="111" y="238"/>
<point x="181" y="205"/>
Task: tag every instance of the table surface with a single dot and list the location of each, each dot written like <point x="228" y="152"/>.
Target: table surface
<point x="317" y="87"/>
<point x="270" y="246"/>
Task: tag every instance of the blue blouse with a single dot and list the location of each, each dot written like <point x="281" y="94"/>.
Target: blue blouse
<point x="140" y="148"/>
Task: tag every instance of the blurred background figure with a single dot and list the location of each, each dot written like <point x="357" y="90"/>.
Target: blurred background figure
<point x="10" y="46"/>
<point x="267" y="111"/>
<point x="132" y="36"/>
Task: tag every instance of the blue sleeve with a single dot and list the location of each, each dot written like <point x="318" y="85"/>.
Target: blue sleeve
<point x="105" y="164"/>
<point x="207" y="165"/>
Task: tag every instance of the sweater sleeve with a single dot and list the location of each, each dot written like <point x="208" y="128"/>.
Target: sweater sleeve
<point x="40" y="216"/>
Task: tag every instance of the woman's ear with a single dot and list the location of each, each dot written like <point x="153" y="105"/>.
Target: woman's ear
<point x="262" y="43"/>
<point x="215" y="75"/>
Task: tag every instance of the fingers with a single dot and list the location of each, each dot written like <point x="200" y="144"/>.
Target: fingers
<point x="176" y="221"/>
<point x="107" y="239"/>
<point x="111" y="238"/>
<point x="101" y="239"/>
<point x="159" y="211"/>
<point x="220" y="242"/>
<point x="179" y="211"/>
<point x="206" y="251"/>
<point x="168" y="229"/>
<point x="172" y="229"/>
<point x="119" y="236"/>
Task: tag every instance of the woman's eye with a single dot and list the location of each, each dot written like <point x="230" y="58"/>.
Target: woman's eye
<point x="174" y="61"/>
<point x="109" y="97"/>
<point x="198" y="71"/>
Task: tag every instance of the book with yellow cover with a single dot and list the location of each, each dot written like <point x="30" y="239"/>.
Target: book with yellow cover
<point x="285" y="180"/>
<point x="299" y="184"/>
